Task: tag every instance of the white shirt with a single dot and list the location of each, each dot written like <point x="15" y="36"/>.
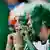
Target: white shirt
<point x="39" y="46"/>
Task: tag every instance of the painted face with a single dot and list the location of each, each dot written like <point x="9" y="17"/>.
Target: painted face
<point x="17" y="25"/>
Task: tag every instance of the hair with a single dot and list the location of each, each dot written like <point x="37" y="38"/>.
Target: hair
<point x="23" y="1"/>
<point x="26" y="1"/>
<point x="42" y="14"/>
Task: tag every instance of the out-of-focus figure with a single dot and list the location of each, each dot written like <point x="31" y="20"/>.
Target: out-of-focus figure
<point x="3" y="24"/>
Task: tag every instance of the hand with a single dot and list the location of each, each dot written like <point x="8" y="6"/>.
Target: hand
<point x="9" y="42"/>
<point x="17" y="41"/>
<point x="10" y="39"/>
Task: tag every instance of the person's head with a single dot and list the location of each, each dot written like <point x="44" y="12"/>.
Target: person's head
<point x="41" y="13"/>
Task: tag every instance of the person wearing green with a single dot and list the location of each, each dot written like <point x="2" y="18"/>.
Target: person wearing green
<point x="3" y="24"/>
<point x="38" y="15"/>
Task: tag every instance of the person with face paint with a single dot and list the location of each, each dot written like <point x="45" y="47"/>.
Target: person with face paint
<point x="15" y="39"/>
